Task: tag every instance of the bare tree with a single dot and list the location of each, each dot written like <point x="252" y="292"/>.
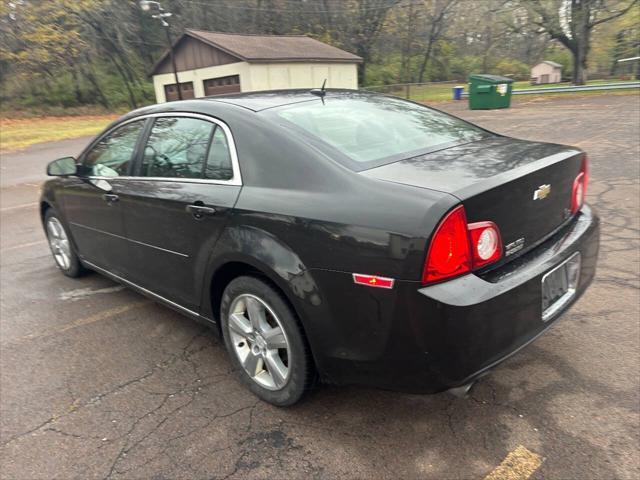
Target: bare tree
<point x="437" y="14"/>
<point x="409" y="19"/>
<point x="571" y="22"/>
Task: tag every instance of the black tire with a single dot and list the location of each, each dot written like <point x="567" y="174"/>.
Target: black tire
<point x="301" y="371"/>
<point x="74" y="268"/>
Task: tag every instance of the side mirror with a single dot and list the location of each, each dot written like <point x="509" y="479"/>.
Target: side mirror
<point x="62" y="167"/>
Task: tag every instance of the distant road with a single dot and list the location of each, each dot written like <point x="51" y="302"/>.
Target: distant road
<point x="28" y="165"/>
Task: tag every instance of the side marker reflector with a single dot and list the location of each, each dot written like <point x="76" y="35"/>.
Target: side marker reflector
<point x="373" y="280"/>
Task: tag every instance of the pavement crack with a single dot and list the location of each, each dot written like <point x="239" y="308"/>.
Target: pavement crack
<point x="28" y="432"/>
<point x="69" y="434"/>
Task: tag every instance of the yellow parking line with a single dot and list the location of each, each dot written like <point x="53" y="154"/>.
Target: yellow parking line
<point x="24" y="245"/>
<point x="518" y="465"/>
<point x="16" y="207"/>
<point x="97" y="317"/>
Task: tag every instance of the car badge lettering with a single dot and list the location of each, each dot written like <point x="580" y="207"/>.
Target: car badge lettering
<point x="373" y="280"/>
<point x="514" y="247"/>
<point x="542" y="192"/>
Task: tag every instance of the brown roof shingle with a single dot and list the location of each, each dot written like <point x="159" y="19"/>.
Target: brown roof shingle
<point x="274" y="48"/>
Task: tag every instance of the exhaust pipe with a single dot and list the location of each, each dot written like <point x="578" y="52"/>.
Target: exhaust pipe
<point x="463" y="390"/>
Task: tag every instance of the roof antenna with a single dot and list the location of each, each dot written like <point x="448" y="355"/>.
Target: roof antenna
<point x="320" y="92"/>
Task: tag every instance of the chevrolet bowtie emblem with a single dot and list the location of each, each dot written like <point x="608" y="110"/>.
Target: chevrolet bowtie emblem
<point x="542" y="192"/>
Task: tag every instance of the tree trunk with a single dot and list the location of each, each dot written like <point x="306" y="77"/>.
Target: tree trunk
<point x="437" y="23"/>
<point x="579" y="68"/>
<point x="123" y="75"/>
<point x="425" y="60"/>
<point x="361" y="72"/>
<point x="91" y="76"/>
<point x="77" y="91"/>
<point x="434" y="34"/>
<point x="405" y="63"/>
<point x="580" y="55"/>
<point x="327" y="16"/>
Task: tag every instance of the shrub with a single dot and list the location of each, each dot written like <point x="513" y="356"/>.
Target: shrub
<point x="513" y="68"/>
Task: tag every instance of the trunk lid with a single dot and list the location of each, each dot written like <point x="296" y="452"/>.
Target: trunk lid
<point x="496" y="180"/>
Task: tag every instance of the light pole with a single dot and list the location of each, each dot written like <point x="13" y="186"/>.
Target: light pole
<point x="146" y="5"/>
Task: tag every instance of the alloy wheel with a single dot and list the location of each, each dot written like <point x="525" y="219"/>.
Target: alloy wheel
<point x="259" y="341"/>
<point x="59" y="243"/>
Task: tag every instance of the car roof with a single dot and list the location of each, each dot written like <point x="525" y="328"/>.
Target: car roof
<point x="249" y="102"/>
<point x="257" y="101"/>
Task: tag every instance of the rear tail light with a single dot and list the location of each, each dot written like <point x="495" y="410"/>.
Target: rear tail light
<point x="579" y="190"/>
<point x="458" y="247"/>
<point x="449" y="253"/>
<point x="486" y="244"/>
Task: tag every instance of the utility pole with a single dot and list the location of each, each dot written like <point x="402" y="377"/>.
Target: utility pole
<point x="146" y="5"/>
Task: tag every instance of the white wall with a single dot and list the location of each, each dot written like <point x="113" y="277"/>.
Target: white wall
<point x="266" y="76"/>
<point x="554" y="73"/>
<point x="273" y="76"/>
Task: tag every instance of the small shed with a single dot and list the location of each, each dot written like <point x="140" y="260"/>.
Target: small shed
<point x="546" y="72"/>
<point x="211" y="63"/>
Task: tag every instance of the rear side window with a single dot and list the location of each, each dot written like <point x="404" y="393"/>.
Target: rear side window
<point x="370" y="130"/>
<point x="183" y="147"/>
<point x="176" y="148"/>
<point x="219" y="159"/>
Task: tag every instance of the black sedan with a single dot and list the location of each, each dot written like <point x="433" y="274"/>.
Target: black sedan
<point x="338" y="236"/>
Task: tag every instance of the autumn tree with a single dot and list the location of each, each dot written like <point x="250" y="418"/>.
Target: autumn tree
<point x="39" y="48"/>
<point x="366" y="22"/>
<point x="87" y="52"/>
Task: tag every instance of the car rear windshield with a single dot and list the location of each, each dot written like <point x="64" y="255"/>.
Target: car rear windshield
<point x="373" y="130"/>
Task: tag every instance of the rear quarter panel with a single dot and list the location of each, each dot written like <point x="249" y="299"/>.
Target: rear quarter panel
<point x="332" y="217"/>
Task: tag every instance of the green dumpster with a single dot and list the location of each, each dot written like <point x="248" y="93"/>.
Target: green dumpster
<point x="487" y="92"/>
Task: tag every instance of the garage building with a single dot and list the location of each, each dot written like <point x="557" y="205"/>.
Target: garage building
<point x="546" y="72"/>
<point x="210" y="63"/>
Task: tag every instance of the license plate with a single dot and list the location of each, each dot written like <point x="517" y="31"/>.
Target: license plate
<point x="559" y="286"/>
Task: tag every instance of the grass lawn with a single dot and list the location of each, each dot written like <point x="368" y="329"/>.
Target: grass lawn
<point x="443" y="92"/>
<point x="19" y="133"/>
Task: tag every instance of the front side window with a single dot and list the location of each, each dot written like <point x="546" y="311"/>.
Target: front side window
<point x="111" y="156"/>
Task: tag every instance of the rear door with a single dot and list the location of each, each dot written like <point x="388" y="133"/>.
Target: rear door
<point x="91" y="204"/>
<point x="177" y="203"/>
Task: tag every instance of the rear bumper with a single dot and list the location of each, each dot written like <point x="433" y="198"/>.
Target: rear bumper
<point x="442" y="336"/>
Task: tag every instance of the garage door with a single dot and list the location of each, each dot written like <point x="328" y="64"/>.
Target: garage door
<point x="220" y="85"/>
<point x="171" y="93"/>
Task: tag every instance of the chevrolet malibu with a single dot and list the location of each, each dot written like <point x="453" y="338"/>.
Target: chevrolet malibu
<point x="333" y="236"/>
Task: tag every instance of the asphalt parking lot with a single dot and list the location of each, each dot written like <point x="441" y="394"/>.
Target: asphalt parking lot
<point x="96" y="381"/>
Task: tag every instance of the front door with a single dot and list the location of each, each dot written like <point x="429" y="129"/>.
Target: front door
<point x="178" y="204"/>
<point x="91" y="203"/>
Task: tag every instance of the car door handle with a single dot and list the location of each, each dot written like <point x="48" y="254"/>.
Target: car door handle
<point x="110" y="198"/>
<point x="200" y="211"/>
